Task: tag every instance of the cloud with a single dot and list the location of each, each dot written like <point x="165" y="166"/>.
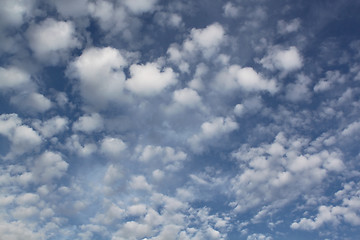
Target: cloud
<point x="211" y="130"/>
<point x="139" y="183"/>
<point x="300" y="90"/>
<point x="149" y="80"/>
<point x="80" y="146"/>
<point x="348" y="211"/>
<point x="168" y="157"/>
<point x="184" y="99"/>
<point x="89" y="123"/>
<point x="272" y="172"/>
<point x="52" y="40"/>
<point x="100" y="71"/>
<point x="14" y="12"/>
<point x="23" y="138"/>
<point x="31" y="102"/>
<point x="206" y="41"/>
<point x="332" y="77"/>
<point x="13" y="78"/>
<point x="48" y="167"/>
<point x="288" y="27"/>
<point x="140" y="6"/>
<point x="230" y="10"/>
<point x="72" y="8"/>
<point x="51" y="126"/>
<point x="245" y="78"/>
<point x="112" y="146"/>
<point x="285" y="60"/>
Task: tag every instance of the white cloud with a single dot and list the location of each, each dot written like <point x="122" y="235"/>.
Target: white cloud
<point x="299" y="91"/>
<point x="51" y="40"/>
<point x="89" y="123"/>
<point x="100" y="73"/>
<point x="78" y="145"/>
<point x="348" y="210"/>
<point x="288" y="27"/>
<point x="18" y="230"/>
<point x="351" y="129"/>
<point x="13" y="78"/>
<point x="258" y="236"/>
<point x="169" y="19"/>
<point x="14" y="12"/>
<point x="197" y="82"/>
<point x="112" y="146"/>
<point x="183" y="99"/>
<point x="52" y="126"/>
<point x="187" y="97"/>
<point x="139" y="183"/>
<point x="140" y="6"/>
<point x="25" y="212"/>
<point x="230" y="10"/>
<point x="245" y="78"/>
<point x="167" y="156"/>
<point x="72" y="8"/>
<point x="111" y="16"/>
<point x="49" y="166"/>
<point x="271" y="173"/>
<point x="209" y="37"/>
<point x="31" y="102"/>
<point x="23" y="138"/>
<point x="212" y="130"/>
<point x="206" y="41"/>
<point x="149" y="79"/>
<point x="250" y="106"/>
<point x="285" y="60"/>
<point x="332" y="77"/>
<point x="113" y="174"/>
<point x="27" y="199"/>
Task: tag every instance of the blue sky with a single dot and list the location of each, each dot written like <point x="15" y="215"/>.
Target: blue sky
<point x="151" y="119"/>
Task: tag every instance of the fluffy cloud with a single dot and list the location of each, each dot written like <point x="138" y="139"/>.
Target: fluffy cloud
<point x="31" y="102"/>
<point x="13" y="78"/>
<point x="49" y="166"/>
<point x="80" y="146"/>
<point x="140" y="6"/>
<point x="206" y="41"/>
<point x="74" y="8"/>
<point x="22" y="137"/>
<point x="183" y="99"/>
<point x="348" y="210"/>
<point x="14" y="12"/>
<point x="149" y="80"/>
<point x="52" y="126"/>
<point x="332" y="77"/>
<point x="89" y="123"/>
<point x="100" y="73"/>
<point x="51" y="40"/>
<point x="210" y="131"/>
<point x="112" y="146"/>
<point x="158" y="156"/>
<point x="271" y="172"/>
<point x="245" y="78"/>
<point x="285" y="60"/>
<point x="299" y="91"/>
<point x="230" y="10"/>
<point x="288" y="27"/>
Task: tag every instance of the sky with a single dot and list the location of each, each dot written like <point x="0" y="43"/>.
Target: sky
<point x="161" y="120"/>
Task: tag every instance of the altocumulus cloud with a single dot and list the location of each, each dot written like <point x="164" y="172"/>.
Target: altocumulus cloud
<point x="209" y="119"/>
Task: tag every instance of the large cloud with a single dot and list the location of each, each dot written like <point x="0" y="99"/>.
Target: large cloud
<point x="149" y="80"/>
<point x="100" y="71"/>
<point x="23" y="138"/>
<point x="285" y="60"/>
<point x="52" y="40"/>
